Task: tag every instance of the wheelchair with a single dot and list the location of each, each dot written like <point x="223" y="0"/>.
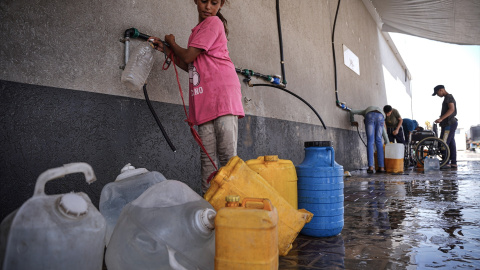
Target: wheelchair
<point x="422" y="144"/>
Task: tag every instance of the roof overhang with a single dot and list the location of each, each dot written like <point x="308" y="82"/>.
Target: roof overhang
<point x="452" y="21"/>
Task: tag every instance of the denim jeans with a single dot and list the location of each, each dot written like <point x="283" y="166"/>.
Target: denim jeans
<point x="374" y="122"/>
<point x="450" y="141"/>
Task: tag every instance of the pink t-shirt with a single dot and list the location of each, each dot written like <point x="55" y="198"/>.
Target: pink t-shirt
<point x="214" y="85"/>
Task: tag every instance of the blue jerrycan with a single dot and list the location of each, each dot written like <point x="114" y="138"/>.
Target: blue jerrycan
<point x="128" y="186"/>
<point x="320" y="189"/>
<point x="62" y="231"/>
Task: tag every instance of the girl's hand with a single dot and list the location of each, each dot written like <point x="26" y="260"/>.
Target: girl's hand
<point x="157" y="43"/>
<point x="170" y="39"/>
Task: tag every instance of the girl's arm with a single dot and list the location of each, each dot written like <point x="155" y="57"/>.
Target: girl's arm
<point x="183" y="56"/>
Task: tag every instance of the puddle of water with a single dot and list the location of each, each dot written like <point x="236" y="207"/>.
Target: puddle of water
<point x="414" y="221"/>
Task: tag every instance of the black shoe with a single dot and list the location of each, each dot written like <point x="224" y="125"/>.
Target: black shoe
<point x="369" y="171"/>
<point x="381" y="171"/>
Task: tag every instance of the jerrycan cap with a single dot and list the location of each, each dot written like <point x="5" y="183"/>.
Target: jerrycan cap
<point x="318" y="144"/>
<point x="232" y="198"/>
<point x="72" y="205"/>
<point x="205" y="220"/>
<point x="129" y="171"/>
<point x="271" y="158"/>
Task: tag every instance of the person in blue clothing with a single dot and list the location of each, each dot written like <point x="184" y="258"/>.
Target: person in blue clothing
<point x="375" y="129"/>
<point x="408" y="126"/>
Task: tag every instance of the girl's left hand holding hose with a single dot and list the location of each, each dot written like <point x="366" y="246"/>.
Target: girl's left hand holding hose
<point x="159" y="45"/>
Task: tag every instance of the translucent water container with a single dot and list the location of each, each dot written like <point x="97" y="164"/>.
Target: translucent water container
<point x="431" y="164"/>
<point x="236" y="178"/>
<point x="246" y="235"/>
<point x="128" y="185"/>
<point x="168" y="227"/>
<point x="63" y="231"/>
<point x="138" y="67"/>
<point x="280" y="174"/>
<point x="320" y="189"/>
<point x="394" y="153"/>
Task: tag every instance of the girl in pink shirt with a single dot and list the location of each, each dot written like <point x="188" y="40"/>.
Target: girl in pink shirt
<point x="215" y="102"/>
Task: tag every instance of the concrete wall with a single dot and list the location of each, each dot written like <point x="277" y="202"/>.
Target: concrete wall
<point x="62" y="99"/>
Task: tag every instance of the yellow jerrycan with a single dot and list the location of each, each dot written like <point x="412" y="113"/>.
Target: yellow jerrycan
<point x="280" y="174"/>
<point x="246" y="235"/>
<point x="237" y="178"/>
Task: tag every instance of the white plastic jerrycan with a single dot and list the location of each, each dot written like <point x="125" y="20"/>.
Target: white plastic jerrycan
<point x="130" y="184"/>
<point x="168" y="227"/>
<point x="431" y="164"/>
<point x="63" y="231"/>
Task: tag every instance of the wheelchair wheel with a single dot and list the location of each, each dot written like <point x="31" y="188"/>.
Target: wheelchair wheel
<point x="409" y="157"/>
<point x="434" y="147"/>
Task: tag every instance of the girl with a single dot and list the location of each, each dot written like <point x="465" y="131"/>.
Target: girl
<point x="214" y="88"/>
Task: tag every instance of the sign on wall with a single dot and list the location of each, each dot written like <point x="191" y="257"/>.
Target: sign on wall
<point x="351" y="60"/>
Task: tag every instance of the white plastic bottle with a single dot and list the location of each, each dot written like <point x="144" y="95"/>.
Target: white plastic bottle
<point x="168" y="227"/>
<point x="431" y="164"/>
<point x="138" y="67"/>
<point x="130" y="184"/>
<point x="62" y="231"/>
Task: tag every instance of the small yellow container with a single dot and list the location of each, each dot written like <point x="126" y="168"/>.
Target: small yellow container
<point x="246" y="235"/>
<point x="237" y="178"/>
<point x="280" y="174"/>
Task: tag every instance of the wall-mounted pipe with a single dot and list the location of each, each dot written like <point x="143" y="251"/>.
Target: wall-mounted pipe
<point x="341" y="105"/>
<point x="275" y="83"/>
<point x="279" y="27"/>
<point x="131" y="33"/>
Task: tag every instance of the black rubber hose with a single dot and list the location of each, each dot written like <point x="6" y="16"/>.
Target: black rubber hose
<point x="333" y="51"/>
<point x="156" y="119"/>
<point x="358" y="131"/>
<point x="295" y="95"/>
<point x="279" y="26"/>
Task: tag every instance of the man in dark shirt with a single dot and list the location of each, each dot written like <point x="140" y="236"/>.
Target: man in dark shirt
<point x="393" y="121"/>
<point x="447" y="121"/>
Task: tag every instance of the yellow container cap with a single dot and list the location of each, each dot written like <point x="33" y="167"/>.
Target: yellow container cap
<point x="232" y="198"/>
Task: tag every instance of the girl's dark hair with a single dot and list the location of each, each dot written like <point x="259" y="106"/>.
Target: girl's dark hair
<point x="224" y="21"/>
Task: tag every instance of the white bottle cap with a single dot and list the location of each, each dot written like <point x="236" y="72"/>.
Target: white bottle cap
<point x="73" y="205"/>
<point x="205" y="220"/>
<point x="129" y="171"/>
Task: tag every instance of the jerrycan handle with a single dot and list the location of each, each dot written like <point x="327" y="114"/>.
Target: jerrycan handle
<point x="79" y="167"/>
<point x="332" y="161"/>
<point x="267" y="205"/>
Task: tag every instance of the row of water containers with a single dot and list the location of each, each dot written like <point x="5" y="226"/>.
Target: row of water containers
<point x="148" y="222"/>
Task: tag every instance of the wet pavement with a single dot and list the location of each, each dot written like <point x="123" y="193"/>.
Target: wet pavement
<point x="408" y="221"/>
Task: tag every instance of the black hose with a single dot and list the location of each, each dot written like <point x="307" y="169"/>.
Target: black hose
<point x="156" y="119"/>
<point x="279" y="26"/>
<point x="358" y="131"/>
<point x="333" y="51"/>
<point x="295" y="95"/>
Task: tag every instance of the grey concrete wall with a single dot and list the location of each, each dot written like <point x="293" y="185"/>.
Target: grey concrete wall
<point x="54" y="52"/>
<point x="75" y="45"/>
